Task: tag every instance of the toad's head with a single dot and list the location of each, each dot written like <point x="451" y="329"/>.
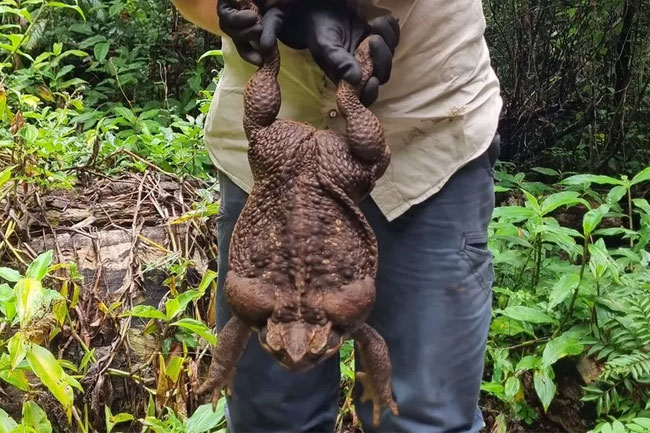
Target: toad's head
<point x="299" y="345"/>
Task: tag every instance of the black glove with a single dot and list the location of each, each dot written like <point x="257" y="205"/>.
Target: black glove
<point x="243" y="27"/>
<point x="332" y="33"/>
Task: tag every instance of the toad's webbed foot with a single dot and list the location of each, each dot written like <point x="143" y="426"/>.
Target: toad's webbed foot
<point x="376" y="381"/>
<point x="233" y="339"/>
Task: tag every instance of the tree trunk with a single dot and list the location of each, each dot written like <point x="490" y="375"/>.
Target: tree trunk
<point x="622" y="79"/>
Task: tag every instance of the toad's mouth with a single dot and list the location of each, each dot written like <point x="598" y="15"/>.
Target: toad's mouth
<point x="299" y="345"/>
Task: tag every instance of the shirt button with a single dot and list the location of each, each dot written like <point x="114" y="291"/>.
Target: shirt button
<point x="333" y="113"/>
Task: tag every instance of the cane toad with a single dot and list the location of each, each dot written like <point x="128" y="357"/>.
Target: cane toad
<point x="303" y="258"/>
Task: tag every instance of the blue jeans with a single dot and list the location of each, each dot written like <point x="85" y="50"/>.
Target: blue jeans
<point x="433" y="307"/>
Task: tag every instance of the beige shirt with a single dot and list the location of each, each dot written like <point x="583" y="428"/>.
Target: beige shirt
<point x="440" y="109"/>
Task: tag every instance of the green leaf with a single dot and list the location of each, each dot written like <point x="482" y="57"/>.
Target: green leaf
<point x="149" y="114"/>
<point x="107" y="419"/>
<point x="512" y="387"/>
<point x="642" y="176"/>
<point x="113" y="420"/>
<point x="642" y="204"/>
<point x="64" y="71"/>
<point x="57" y="48"/>
<point x="7" y="423"/>
<point x="618" y="427"/>
<point x="592" y="218"/>
<point x="562" y="289"/>
<point x="560" y="347"/>
<point x="564" y="198"/>
<point x="347" y="371"/>
<point x="601" y="261"/>
<point x="68" y="365"/>
<point x="126" y="114"/>
<point x="10" y="275"/>
<point x="199" y="328"/>
<point x="203" y="212"/>
<point x="76" y="53"/>
<point x="101" y="50"/>
<point x="211" y="53"/>
<point x="29" y="297"/>
<point x="208" y="277"/>
<point x="513" y="213"/>
<point x="177" y="305"/>
<point x="643" y="422"/>
<point x="15" y="377"/>
<point x="581" y="179"/>
<point x="35" y="417"/>
<point x="546" y="171"/>
<point x="174" y="367"/>
<point x="616" y="231"/>
<point x="205" y="419"/>
<point x="544" y="387"/>
<point x="67" y="6"/>
<point x="500" y="424"/>
<point x="41" y="58"/>
<point x="5" y="175"/>
<point x="503" y="325"/>
<point x="529" y="362"/>
<point x="38" y="268"/>
<point x="616" y="194"/>
<point x="7" y="301"/>
<point x="14" y="11"/>
<point x="122" y="417"/>
<point x="492" y="388"/>
<point x="17" y="349"/>
<point x="528" y="314"/>
<point x="46" y="367"/>
<point x="563" y="231"/>
<point x="531" y="202"/>
<point x="89" y="42"/>
<point x="29" y="133"/>
<point x="90" y="355"/>
<point x="145" y="312"/>
<point x="151" y="407"/>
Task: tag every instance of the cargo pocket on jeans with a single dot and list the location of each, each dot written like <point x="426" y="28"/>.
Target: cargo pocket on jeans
<point x="475" y="252"/>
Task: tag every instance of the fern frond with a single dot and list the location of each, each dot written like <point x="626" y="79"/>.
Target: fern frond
<point x="636" y="365"/>
<point x="36" y="36"/>
<point x="640" y="316"/>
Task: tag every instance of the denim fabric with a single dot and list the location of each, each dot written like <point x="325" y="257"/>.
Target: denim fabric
<point x="433" y="307"/>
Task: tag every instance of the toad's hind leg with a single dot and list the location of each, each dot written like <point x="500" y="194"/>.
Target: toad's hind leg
<point x="376" y="380"/>
<point x="233" y="339"/>
<point x="365" y="134"/>
<point x="262" y="96"/>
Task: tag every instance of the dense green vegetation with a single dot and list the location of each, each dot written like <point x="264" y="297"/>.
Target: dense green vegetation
<point x="575" y="81"/>
<point x="98" y="89"/>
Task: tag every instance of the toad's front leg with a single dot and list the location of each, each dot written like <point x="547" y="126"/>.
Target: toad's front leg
<point x="376" y="379"/>
<point x="233" y="339"/>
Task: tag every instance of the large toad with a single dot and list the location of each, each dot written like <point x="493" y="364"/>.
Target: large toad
<point x="303" y="258"/>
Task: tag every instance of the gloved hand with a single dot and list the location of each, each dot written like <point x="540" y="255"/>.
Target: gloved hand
<point x="332" y="33"/>
<point x="243" y="27"/>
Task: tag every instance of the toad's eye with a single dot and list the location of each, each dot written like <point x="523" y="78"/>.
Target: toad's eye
<point x="285" y="313"/>
<point x="314" y="316"/>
